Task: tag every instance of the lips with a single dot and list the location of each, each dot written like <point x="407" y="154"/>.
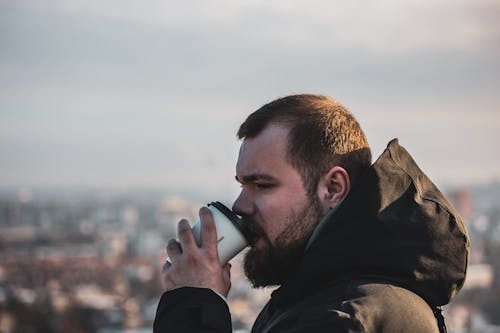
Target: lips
<point x="255" y="231"/>
<point x="255" y="238"/>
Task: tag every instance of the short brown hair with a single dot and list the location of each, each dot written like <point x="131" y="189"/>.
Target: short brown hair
<point x="322" y="134"/>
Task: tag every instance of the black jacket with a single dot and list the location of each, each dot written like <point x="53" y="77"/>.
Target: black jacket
<point x="393" y="252"/>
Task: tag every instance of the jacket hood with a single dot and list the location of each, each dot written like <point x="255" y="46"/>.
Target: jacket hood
<point x="395" y="225"/>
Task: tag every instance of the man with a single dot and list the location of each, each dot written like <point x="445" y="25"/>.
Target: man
<point x="354" y="247"/>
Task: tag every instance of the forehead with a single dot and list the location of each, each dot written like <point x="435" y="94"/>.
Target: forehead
<point x="264" y="153"/>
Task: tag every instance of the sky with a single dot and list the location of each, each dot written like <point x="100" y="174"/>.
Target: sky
<point x="149" y="94"/>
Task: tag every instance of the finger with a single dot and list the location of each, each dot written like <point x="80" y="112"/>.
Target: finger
<point x="226" y="276"/>
<point x="186" y="237"/>
<point x="166" y="266"/>
<point x="174" y="249"/>
<point x="167" y="282"/>
<point x="226" y="272"/>
<point x="208" y="230"/>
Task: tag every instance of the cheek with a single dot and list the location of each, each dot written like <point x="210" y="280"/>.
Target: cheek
<point x="275" y="211"/>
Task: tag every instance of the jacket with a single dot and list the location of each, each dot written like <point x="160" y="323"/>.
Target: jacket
<point x="393" y="252"/>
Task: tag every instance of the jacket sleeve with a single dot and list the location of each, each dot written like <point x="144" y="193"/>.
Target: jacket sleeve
<point x="192" y="310"/>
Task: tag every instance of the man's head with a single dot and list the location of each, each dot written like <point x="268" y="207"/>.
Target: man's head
<point x="298" y="158"/>
<point x="322" y="134"/>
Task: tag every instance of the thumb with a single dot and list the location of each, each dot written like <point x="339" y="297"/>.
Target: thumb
<point x="226" y="279"/>
<point x="226" y="272"/>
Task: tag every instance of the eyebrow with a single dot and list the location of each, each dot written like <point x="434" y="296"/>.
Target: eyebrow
<point x="254" y="177"/>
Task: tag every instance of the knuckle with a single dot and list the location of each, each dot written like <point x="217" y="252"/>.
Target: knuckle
<point x="172" y="244"/>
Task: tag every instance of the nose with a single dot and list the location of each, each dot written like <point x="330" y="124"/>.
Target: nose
<point x="243" y="205"/>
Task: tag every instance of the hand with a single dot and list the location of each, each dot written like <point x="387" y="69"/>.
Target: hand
<point x="193" y="266"/>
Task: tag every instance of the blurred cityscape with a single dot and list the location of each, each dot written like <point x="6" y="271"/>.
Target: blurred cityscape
<point x="89" y="261"/>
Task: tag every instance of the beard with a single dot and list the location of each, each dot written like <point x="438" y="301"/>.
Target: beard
<point x="274" y="263"/>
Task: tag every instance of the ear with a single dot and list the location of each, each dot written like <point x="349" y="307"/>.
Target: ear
<point x="333" y="187"/>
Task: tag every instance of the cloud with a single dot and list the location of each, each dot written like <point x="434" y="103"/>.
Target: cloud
<point x="116" y="91"/>
<point x="384" y="26"/>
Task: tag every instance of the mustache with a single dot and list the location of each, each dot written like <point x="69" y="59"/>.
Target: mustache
<point x="254" y="229"/>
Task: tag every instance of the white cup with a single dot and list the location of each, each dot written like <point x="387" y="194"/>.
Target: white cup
<point x="231" y="233"/>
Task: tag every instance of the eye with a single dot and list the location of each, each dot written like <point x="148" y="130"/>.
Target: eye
<point x="263" y="186"/>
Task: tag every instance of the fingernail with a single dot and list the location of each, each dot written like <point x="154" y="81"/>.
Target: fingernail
<point x="183" y="224"/>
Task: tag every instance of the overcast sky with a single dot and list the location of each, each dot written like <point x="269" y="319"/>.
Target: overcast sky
<point x="126" y="94"/>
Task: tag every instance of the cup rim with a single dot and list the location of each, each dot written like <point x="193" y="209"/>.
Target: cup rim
<point x="237" y="221"/>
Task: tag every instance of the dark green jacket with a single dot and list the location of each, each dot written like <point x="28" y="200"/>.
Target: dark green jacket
<point x="393" y="252"/>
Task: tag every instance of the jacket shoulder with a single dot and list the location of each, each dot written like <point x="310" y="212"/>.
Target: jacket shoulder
<point x="383" y="307"/>
<point x="355" y="307"/>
